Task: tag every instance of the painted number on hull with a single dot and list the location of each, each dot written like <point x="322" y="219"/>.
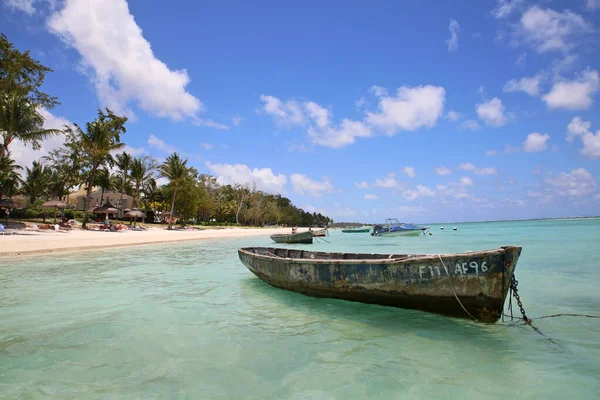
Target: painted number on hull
<point x="459" y="269"/>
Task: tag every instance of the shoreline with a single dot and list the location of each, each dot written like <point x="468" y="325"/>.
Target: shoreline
<point x="31" y="243"/>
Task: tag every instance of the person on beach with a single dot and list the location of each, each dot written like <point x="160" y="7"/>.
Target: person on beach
<point x="7" y="214"/>
<point x="294" y="229"/>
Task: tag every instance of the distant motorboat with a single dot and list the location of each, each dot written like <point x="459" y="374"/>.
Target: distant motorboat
<point x="396" y="228"/>
<point x="441" y="228"/>
<point x="454" y="229"/>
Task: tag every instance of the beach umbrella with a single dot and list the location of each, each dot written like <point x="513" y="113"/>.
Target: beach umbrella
<point x="56" y="204"/>
<point x="107" y="208"/>
<point x="8" y="203"/>
<point x="135" y="213"/>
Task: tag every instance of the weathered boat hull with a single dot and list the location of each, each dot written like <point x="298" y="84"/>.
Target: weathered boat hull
<point x="465" y="285"/>
<point x="296" y="238"/>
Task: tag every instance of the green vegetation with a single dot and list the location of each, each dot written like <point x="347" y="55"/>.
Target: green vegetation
<point x="90" y="159"/>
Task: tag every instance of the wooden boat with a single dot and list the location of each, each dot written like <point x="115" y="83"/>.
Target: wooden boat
<point x="320" y="232"/>
<point x="361" y="229"/>
<point x="468" y="285"/>
<point x="302" y="237"/>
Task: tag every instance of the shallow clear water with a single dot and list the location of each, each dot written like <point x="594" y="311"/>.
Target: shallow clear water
<point x="190" y="321"/>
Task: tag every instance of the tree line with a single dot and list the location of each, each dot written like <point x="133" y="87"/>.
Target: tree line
<point x="92" y="157"/>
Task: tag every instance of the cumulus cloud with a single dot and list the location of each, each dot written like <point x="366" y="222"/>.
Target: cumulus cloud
<point x="492" y="113"/>
<point x="453" y="116"/>
<point x="591" y="142"/>
<point x="412" y="108"/>
<point x="120" y="62"/>
<point x="578" y="183"/>
<point x="410" y="172"/>
<point x="302" y="184"/>
<point x="263" y="178"/>
<point x="477" y="171"/>
<point x="531" y="86"/>
<point x="25" y="6"/>
<point x="378" y="91"/>
<point x="388" y="182"/>
<point x="469" y="125"/>
<point x="592" y="5"/>
<point x="370" y="196"/>
<point x="24" y="155"/>
<point x="536" y="142"/>
<point x="548" y="30"/>
<point x="285" y="113"/>
<point x="160" y="144"/>
<point x="419" y="191"/>
<point x="442" y="171"/>
<point x="452" y="42"/>
<point x="361" y="185"/>
<point x="341" y="136"/>
<point x="576" y="94"/>
<point x="505" y="7"/>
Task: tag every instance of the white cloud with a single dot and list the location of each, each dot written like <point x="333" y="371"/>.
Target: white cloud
<point x="369" y="196"/>
<point x="453" y="116"/>
<point x="441" y="171"/>
<point x="25" y="155"/>
<point x="535" y="142"/>
<point x="591" y="142"/>
<point x="344" y="135"/>
<point x="531" y="86"/>
<point x="492" y="112"/>
<point x="410" y="172"/>
<point x="389" y="182"/>
<point x="134" y="151"/>
<point x="549" y="30"/>
<point x="21" y="5"/>
<point x="576" y="94"/>
<point x="466" y="181"/>
<point x="207" y="146"/>
<point x="578" y="183"/>
<point x="477" y="171"/>
<point x="285" y="113"/>
<point x="419" y="191"/>
<point x="469" y="125"/>
<point x="592" y="4"/>
<point x="236" y="120"/>
<point x="412" y="108"/>
<point x="317" y="113"/>
<point x="361" y="185"/>
<point x="160" y="144"/>
<point x="452" y="42"/>
<point x="210" y="123"/>
<point x="505" y="7"/>
<point x="263" y="178"/>
<point x="120" y="61"/>
<point x="301" y="184"/>
<point x="378" y="91"/>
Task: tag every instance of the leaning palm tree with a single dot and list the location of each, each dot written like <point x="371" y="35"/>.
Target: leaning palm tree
<point x="100" y="138"/>
<point x="123" y="163"/>
<point x="21" y="121"/>
<point x="175" y="169"/>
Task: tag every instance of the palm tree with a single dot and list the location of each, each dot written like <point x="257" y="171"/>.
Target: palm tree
<point x="141" y="170"/>
<point x="123" y="163"/>
<point x="37" y="180"/>
<point x="100" y="138"/>
<point x="9" y="177"/>
<point x="104" y="182"/>
<point x="20" y="120"/>
<point x="176" y="170"/>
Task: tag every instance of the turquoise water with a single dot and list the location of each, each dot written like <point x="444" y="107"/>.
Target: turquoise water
<point x="188" y="321"/>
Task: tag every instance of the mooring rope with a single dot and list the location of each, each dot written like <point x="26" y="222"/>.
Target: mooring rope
<point x="454" y="291"/>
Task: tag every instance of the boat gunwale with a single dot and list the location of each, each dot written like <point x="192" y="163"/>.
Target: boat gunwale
<point x="410" y="257"/>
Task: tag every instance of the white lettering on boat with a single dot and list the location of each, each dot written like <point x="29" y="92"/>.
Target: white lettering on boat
<point x="434" y="271"/>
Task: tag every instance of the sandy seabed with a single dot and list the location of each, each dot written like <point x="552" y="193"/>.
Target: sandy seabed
<point x="32" y="242"/>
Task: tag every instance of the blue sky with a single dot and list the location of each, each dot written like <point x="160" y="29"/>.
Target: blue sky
<point x="424" y="111"/>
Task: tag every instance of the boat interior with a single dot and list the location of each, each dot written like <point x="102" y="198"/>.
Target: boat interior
<point x="319" y="255"/>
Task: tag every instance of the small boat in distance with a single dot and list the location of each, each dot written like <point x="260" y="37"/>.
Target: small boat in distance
<point x="357" y="229"/>
<point x="393" y="227"/>
<point x="320" y="232"/>
<point x="465" y="285"/>
<point x="302" y="237"/>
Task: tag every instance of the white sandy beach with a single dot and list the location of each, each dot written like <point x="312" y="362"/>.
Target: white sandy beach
<point x="31" y="242"/>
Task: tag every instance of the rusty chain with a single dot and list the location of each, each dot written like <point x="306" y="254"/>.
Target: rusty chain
<point x="514" y="283"/>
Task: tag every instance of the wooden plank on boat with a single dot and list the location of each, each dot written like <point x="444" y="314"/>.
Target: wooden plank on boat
<point x="465" y="285"/>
